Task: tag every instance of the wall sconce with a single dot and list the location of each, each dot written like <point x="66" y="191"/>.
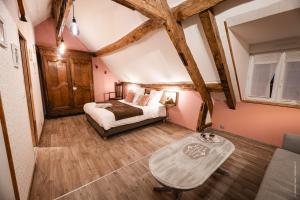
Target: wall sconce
<point x="62" y="47"/>
<point x="169" y="98"/>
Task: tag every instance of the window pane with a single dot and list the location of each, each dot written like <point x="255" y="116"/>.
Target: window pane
<point x="291" y="85"/>
<point x="262" y="80"/>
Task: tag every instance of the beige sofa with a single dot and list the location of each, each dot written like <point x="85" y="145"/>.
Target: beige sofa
<point x="282" y="178"/>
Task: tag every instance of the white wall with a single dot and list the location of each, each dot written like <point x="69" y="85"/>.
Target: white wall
<point x="14" y="99"/>
<point x="28" y="32"/>
<point x="6" y="187"/>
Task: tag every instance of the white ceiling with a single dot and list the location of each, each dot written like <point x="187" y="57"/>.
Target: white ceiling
<point x="38" y="10"/>
<point x="270" y="28"/>
<point x="105" y="22"/>
<point x="154" y="58"/>
<point x="151" y="60"/>
<point x="101" y="22"/>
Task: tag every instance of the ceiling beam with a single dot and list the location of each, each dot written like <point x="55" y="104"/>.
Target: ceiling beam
<point x="146" y="7"/>
<point x="202" y="117"/>
<point x="211" y="87"/>
<point x="180" y="12"/>
<point x="61" y="10"/>
<point x="191" y="7"/>
<point x="22" y="10"/>
<point x="212" y="34"/>
<point x="131" y="37"/>
<point x="177" y="37"/>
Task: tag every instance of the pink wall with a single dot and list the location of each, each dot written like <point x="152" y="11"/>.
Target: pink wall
<point x="103" y="82"/>
<point x="45" y="36"/>
<point x="186" y="112"/>
<point x="264" y="123"/>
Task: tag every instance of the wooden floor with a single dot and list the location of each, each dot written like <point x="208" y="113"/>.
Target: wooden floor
<point x="74" y="162"/>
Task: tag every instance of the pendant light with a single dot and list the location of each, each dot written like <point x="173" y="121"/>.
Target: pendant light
<point x="62" y="47"/>
<point x="74" y="27"/>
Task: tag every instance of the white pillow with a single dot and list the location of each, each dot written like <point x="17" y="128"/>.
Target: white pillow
<point x="138" y="92"/>
<point x="155" y="97"/>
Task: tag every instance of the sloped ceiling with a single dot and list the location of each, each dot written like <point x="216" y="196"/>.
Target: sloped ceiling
<point x="38" y="11"/>
<point x="151" y="60"/>
<point x="266" y="29"/>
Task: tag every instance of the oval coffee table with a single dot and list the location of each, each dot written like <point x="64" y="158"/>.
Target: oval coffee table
<point x="188" y="163"/>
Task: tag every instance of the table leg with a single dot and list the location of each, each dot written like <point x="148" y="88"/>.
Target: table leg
<point x="162" y="189"/>
<point x="223" y="172"/>
<point x="177" y="193"/>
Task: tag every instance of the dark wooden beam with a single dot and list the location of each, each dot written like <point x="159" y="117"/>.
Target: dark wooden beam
<point x="22" y="11"/>
<point x="214" y="87"/>
<point x="147" y="8"/>
<point x="176" y="35"/>
<point x="191" y="7"/>
<point x="131" y="37"/>
<point x="61" y="10"/>
<point x="212" y="34"/>
<point x="202" y="117"/>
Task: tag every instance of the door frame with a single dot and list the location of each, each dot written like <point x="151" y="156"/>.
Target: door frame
<point x="8" y="151"/>
<point x="28" y="88"/>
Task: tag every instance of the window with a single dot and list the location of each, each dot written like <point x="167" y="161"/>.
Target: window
<point x="274" y="77"/>
<point x="290" y="91"/>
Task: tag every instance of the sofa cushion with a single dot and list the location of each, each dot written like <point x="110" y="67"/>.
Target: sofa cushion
<point x="282" y="178"/>
<point x="291" y="143"/>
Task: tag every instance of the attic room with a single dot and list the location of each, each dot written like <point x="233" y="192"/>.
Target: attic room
<point x="156" y="99"/>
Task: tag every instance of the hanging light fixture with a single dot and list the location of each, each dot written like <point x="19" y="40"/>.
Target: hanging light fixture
<point x="74" y="26"/>
<point x="62" y="47"/>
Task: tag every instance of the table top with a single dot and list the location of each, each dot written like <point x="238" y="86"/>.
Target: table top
<point x="189" y="162"/>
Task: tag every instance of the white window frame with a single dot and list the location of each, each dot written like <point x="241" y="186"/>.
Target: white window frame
<point x="278" y="81"/>
<point x="249" y="81"/>
<point x="281" y="82"/>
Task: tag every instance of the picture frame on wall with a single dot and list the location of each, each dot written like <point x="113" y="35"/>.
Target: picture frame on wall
<point x="3" y="42"/>
<point x="15" y="55"/>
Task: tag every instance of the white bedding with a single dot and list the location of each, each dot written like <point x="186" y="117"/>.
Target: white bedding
<point x="106" y="119"/>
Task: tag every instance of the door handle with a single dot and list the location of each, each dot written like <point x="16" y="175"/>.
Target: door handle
<point x="74" y="88"/>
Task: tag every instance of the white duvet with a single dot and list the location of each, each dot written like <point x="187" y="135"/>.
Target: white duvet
<point x="106" y="119"/>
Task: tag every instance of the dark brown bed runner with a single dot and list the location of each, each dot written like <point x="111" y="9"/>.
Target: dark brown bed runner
<point x="123" y="111"/>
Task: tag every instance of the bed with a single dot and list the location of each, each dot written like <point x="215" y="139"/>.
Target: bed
<point x="107" y="123"/>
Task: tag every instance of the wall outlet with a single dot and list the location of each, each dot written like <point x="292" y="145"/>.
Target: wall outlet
<point x="221" y="126"/>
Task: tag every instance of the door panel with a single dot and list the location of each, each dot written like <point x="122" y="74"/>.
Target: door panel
<point x="81" y="78"/>
<point x="58" y="83"/>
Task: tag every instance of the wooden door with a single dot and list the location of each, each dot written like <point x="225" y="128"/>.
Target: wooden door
<point x="82" y="80"/>
<point x="28" y="89"/>
<point x="58" y="85"/>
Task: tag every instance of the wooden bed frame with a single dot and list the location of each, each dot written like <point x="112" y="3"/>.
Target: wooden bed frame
<point x="115" y="130"/>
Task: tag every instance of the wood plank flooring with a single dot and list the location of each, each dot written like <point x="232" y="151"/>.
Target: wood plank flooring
<point x="74" y="159"/>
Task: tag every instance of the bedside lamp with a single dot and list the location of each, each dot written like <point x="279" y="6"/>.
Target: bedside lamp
<point x="169" y="98"/>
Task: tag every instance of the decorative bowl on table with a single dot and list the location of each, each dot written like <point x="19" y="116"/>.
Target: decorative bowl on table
<point x="209" y="138"/>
